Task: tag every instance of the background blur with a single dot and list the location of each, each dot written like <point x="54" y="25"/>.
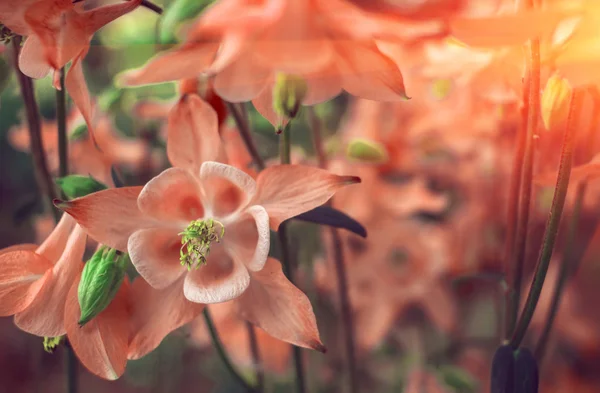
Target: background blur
<point x="426" y="285"/>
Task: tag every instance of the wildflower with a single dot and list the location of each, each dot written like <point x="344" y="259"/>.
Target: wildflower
<point x="59" y="33"/>
<point x="34" y="282"/>
<point x="331" y="45"/>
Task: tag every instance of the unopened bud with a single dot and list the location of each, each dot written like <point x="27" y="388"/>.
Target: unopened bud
<point x="555" y="102"/>
<point x="101" y="278"/>
<point x="366" y="150"/>
<point x="288" y="93"/>
<point x="75" y="186"/>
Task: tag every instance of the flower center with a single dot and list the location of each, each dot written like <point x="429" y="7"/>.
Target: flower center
<point x="196" y="240"/>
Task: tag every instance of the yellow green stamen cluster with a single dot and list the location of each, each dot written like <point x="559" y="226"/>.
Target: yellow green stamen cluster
<point x="196" y="241"/>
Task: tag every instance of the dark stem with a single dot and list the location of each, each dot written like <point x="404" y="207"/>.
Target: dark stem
<point x="340" y="268"/>
<point x="551" y="231"/>
<point x="61" y="122"/>
<point x="289" y="272"/>
<point x="255" y="351"/>
<point x="512" y="214"/>
<point x="42" y="174"/>
<point x="222" y="353"/>
<point x="72" y="365"/>
<point x="244" y="130"/>
<point x="568" y="264"/>
<point x="145" y="3"/>
<point x="526" y="186"/>
<point x="563" y="274"/>
<point x="286" y="261"/>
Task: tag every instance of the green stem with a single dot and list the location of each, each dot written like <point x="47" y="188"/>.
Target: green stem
<point x="244" y="130"/>
<point x="42" y="173"/>
<point x="255" y="351"/>
<point x="512" y="214"/>
<point x="340" y="268"/>
<point x="284" y="151"/>
<point x="61" y="121"/>
<point x="222" y="353"/>
<point x="550" y="234"/>
<point x="526" y="187"/>
<point x="563" y="275"/>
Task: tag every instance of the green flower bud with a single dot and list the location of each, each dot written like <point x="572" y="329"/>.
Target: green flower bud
<point x="288" y="93"/>
<point x="101" y="278"/>
<point x="50" y="343"/>
<point x="75" y="186"/>
<point x="78" y="133"/>
<point x="366" y="150"/>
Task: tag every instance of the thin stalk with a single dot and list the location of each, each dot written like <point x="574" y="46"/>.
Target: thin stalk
<point x="286" y="261"/>
<point x="552" y="225"/>
<point x="61" y="122"/>
<point x="568" y="264"/>
<point x="255" y="351"/>
<point x="42" y="174"/>
<point x="244" y="130"/>
<point x="518" y="259"/>
<point x="563" y="274"/>
<point x="72" y="375"/>
<point x="340" y="269"/>
<point x="512" y="213"/>
<point x="222" y="353"/>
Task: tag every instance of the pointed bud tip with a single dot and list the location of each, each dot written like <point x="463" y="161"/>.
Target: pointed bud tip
<point x="59" y="203"/>
<point x="351" y="179"/>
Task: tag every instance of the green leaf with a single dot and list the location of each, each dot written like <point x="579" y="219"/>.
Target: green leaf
<point x="75" y="186"/>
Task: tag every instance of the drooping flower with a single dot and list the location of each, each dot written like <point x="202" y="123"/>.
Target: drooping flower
<point x="58" y="33"/>
<point x="331" y="45"/>
<point x="34" y="281"/>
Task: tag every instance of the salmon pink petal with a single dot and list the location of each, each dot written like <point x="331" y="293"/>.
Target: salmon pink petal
<point x="62" y="36"/>
<point x="155" y="255"/>
<point x="101" y="344"/>
<point x="78" y="91"/>
<point x="232" y="45"/>
<point x="368" y="73"/>
<point x="294" y="43"/>
<point x="288" y="190"/>
<point x="275" y="305"/>
<point x="263" y="103"/>
<point x="156" y="313"/>
<point x="192" y="133"/>
<point x="172" y="196"/>
<point x="322" y="86"/>
<point x="506" y="30"/>
<point x="220" y="280"/>
<point x="99" y="17"/>
<point x="22" y="274"/>
<point x="55" y="243"/>
<point x="182" y="63"/>
<point x="45" y="315"/>
<point x="109" y="216"/>
<point x="31" y="59"/>
<point x="226" y="188"/>
<point x="242" y="80"/>
<point x="20" y="247"/>
<point x="249" y="239"/>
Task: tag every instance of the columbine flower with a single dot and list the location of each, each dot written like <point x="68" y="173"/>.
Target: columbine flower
<point x="57" y="34"/>
<point x="34" y="282"/>
<point x="330" y="44"/>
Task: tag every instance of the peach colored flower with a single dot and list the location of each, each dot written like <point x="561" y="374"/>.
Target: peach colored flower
<point x="274" y="354"/>
<point x="58" y="33"/>
<point x="34" y="282"/>
<point x="332" y="45"/>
